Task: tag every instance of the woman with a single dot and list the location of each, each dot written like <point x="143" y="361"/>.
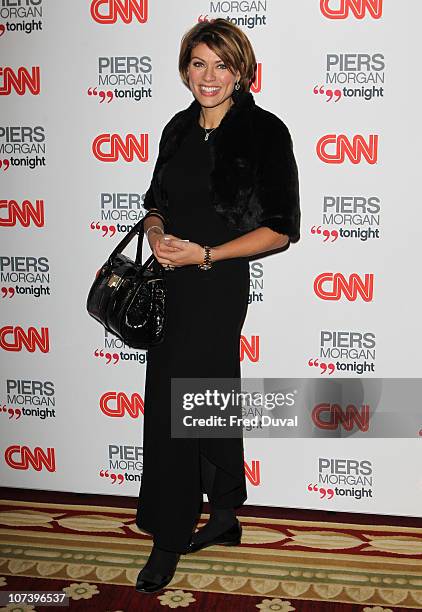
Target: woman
<point x="224" y="188"/>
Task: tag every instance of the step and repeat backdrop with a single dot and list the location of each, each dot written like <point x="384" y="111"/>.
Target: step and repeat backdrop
<point x="85" y="90"/>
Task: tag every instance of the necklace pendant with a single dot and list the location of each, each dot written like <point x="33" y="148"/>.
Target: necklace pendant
<point x="206" y="136"/>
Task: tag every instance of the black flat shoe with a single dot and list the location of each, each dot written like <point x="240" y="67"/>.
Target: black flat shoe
<point x="230" y="537"/>
<point x="151" y="582"/>
<point x="154" y="583"/>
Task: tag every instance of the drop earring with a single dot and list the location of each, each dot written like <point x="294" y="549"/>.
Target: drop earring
<point x="237" y="86"/>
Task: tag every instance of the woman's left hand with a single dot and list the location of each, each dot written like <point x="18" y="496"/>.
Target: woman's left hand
<point x="176" y="252"/>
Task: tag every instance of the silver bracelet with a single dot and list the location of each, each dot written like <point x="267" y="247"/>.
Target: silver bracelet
<point x="160" y="228"/>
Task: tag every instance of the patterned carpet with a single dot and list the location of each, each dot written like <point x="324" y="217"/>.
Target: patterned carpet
<point x="94" y="554"/>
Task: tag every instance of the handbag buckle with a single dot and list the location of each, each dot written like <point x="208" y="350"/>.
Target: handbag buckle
<point x="113" y="281"/>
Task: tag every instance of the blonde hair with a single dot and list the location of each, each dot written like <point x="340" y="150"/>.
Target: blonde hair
<point x="228" y="41"/>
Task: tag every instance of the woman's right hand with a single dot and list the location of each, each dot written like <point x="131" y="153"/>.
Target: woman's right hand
<point x="153" y="236"/>
<point x="156" y="237"/>
<point x="163" y="251"/>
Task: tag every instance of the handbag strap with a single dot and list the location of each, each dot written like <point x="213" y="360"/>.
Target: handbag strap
<point x="138" y="228"/>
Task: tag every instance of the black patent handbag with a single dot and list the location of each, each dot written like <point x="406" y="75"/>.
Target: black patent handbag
<point x="129" y="297"/>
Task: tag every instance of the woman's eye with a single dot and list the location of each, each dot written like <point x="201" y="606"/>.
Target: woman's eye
<point x="197" y="64"/>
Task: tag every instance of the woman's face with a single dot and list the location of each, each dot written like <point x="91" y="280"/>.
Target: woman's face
<point x="210" y="81"/>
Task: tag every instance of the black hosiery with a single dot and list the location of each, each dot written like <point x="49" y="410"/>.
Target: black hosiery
<point x="162" y="562"/>
<point x="220" y="518"/>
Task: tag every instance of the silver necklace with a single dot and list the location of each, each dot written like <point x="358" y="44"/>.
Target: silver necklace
<point x="208" y="132"/>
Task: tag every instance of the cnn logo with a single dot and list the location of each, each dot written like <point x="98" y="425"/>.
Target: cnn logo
<point x="22" y="457"/>
<point x="253" y="472"/>
<point x="15" y="339"/>
<point x="249" y="348"/>
<point x="257" y="82"/>
<point x="115" y="404"/>
<point x="108" y="11"/>
<point x="329" y="286"/>
<point x="333" y="149"/>
<point x="12" y="213"/>
<point x="112" y="147"/>
<point x="333" y="416"/>
<point x="341" y="9"/>
<point x="19" y="82"/>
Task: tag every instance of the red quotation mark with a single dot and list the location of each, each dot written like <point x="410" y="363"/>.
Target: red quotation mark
<point x="102" y="95"/>
<point x="205" y="18"/>
<point x="17" y="412"/>
<point x="113" y="477"/>
<point x="322" y="365"/>
<point x="316" y="229"/>
<point x="8" y="291"/>
<point x="329" y="93"/>
<point x="2" y="29"/>
<point x="108" y="356"/>
<point x="324" y="492"/>
<point x="106" y="229"/>
<point x="5" y="164"/>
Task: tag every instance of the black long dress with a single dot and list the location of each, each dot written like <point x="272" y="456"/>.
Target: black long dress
<point x="206" y="311"/>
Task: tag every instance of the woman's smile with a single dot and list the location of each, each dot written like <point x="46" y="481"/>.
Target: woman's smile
<point x="208" y="90"/>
